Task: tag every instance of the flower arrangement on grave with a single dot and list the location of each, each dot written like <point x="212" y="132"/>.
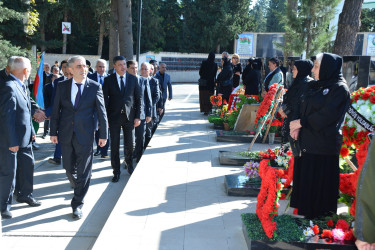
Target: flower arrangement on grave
<point x="268" y="197"/>
<point x="252" y="169"/>
<point x="216" y="101"/>
<point x="359" y="122"/>
<point x="266" y="106"/>
<point x="276" y="124"/>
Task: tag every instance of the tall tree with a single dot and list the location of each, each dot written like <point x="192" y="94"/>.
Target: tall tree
<point x="114" y="45"/>
<point x="125" y="28"/>
<point x="102" y="10"/>
<point x="348" y="27"/>
<point x="276" y="10"/>
<point x="367" y="20"/>
<point x="259" y="15"/>
<point x="308" y="27"/>
<point x="7" y="49"/>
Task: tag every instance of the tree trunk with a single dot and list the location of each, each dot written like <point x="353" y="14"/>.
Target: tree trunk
<point x="65" y="36"/>
<point x="348" y="26"/>
<point x="42" y="36"/>
<point x="113" y="31"/>
<point x="218" y="48"/>
<point x="101" y="35"/>
<point x="125" y="28"/>
<point x="309" y="30"/>
<point x="290" y="8"/>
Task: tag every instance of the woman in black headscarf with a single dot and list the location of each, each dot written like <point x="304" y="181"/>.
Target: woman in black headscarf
<point x="207" y="73"/>
<point x="225" y="79"/>
<point x="318" y="130"/>
<point x="292" y="99"/>
<point x="251" y="79"/>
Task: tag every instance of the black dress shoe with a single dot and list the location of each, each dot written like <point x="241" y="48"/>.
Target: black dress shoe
<point x="29" y="200"/>
<point x="77" y="214"/>
<point x="104" y="156"/>
<point x="6" y="215"/>
<point x="54" y="161"/>
<point x="116" y="177"/>
<point x="130" y="170"/>
<point x="96" y="153"/>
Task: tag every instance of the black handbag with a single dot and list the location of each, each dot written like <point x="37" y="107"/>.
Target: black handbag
<point x="202" y="82"/>
<point x="227" y="83"/>
<point x="294" y="145"/>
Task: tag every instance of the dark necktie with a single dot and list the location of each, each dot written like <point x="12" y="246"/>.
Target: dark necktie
<point x="24" y="88"/>
<point x="122" y="83"/>
<point x="78" y="96"/>
<point x="101" y="79"/>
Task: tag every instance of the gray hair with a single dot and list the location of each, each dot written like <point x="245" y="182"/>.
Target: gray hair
<point x="225" y="54"/>
<point x="11" y="60"/>
<point x="73" y="59"/>
<point x="319" y="58"/>
<point x="46" y="64"/>
<point x="102" y="61"/>
<point x="20" y="63"/>
<point x="163" y="64"/>
<point x="146" y="64"/>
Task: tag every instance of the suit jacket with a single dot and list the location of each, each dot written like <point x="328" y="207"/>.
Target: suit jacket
<point x="54" y="87"/>
<point x="165" y="85"/>
<point x="34" y="105"/>
<point x="47" y="95"/>
<point x="129" y="100"/>
<point x="66" y="119"/>
<point x="155" y="94"/>
<point x="146" y="101"/>
<point x="94" y="76"/>
<point x="16" y="127"/>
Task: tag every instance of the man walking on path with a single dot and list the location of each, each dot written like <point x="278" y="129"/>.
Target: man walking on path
<point x="17" y="133"/>
<point x="165" y="86"/>
<point x="75" y="104"/>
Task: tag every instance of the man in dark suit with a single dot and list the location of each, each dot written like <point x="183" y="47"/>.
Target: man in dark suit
<point x="146" y="111"/>
<point x="17" y="132"/>
<point x="122" y="95"/>
<point x="66" y="75"/>
<point x="75" y="104"/>
<point x="165" y="86"/>
<point x="99" y="76"/>
<point x="146" y="71"/>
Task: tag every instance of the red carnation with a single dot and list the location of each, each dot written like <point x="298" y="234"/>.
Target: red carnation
<point x="356" y="97"/>
<point x="225" y="102"/>
<point x="372" y="99"/>
<point x="295" y="211"/>
<point x="279" y="186"/>
<point x="315" y="229"/>
<point x="326" y="234"/>
<point x="344" y="152"/>
<point x="342" y="224"/>
<point x="349" y="235"/>
<point x="366" y="95"/>
<point x="330" y="223"/>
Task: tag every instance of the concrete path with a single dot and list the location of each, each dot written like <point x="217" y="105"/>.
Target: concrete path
<point x="175" y="199"/>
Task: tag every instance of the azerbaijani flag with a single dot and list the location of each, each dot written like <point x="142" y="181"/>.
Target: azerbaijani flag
<point x="38" y="84"/>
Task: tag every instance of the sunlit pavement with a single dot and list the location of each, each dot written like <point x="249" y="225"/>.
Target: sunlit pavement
<point x="175" y="198"/>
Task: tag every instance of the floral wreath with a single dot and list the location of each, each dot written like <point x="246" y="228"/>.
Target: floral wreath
<point x="216" y="100"/>
<point x="355" y="137"/>
<point x="268" y="197"/>
<point x="266" y="106"/>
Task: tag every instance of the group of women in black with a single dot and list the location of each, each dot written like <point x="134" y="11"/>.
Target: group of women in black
<point x="313" y="111"/>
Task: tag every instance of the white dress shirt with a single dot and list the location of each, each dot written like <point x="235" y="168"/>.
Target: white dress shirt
<point x="119" y="80"/>
<point x="75" y="90"/>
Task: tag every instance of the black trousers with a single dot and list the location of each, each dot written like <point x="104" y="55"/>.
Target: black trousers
<point x="115" y="130"/>
<point x="46" y="127"/>
<point x="24" y="161"/>
<point x="140" y="133"/>
<point x="77" y="162"/>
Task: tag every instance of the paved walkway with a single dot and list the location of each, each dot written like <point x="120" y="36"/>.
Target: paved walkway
<point x="175" y="199"/>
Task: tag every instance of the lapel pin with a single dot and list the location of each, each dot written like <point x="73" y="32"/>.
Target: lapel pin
<point x="325" y="91"/>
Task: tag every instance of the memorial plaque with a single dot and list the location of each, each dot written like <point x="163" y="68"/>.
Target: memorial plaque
<point x="239" y="136"/>
<point x="234" y="158"/>
<point x="313" y="244"/>
<point x="235" y="186"/>
<point x="246" y="118"/>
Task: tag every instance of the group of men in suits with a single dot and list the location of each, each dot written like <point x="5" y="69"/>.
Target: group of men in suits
<point x="78" y="107"/>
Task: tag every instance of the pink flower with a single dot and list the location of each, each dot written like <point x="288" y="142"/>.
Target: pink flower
<point x="338" y="234"/>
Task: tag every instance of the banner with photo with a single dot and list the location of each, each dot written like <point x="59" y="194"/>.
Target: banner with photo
<point x="370" y="45"/>
<point x="244" y="44"/>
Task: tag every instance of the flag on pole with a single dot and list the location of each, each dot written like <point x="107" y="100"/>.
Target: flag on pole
<point x="38" y="84"/>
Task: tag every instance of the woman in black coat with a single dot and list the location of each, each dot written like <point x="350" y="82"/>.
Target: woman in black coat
<point x="207" y="72"/>
<point x="292" y="99"/>
<point x="225" y="79"/>
<point x="318" y="130"/>
<point x="251" y="79"/>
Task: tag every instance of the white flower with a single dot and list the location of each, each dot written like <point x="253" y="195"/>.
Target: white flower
<point x="279" y="161"/>
<point x="308" y="232"/>
<point x="350" y="122"/>
<point x="311" y="223"/>
<point x="360" y="102"/>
